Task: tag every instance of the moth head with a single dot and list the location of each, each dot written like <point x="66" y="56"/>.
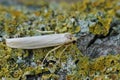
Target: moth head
<point x="70" y="37"/>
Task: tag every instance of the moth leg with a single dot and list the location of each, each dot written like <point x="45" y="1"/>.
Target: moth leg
<point x="50" y="52"/>
<point x="66" y="46"/>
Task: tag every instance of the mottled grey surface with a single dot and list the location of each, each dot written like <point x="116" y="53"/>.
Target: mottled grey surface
<point x="102" y="46"/>
<point x="97" y="45"/>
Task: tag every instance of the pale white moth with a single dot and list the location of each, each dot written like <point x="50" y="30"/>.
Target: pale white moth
<point x="40" y="41"/>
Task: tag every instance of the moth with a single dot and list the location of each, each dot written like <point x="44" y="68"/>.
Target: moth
<point x="42" y="41"/>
